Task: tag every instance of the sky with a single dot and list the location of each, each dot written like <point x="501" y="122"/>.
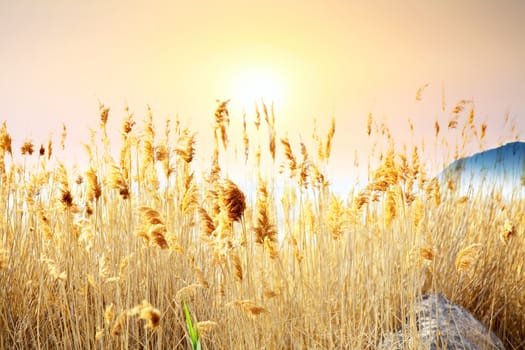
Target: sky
<point x="316" y="60"/>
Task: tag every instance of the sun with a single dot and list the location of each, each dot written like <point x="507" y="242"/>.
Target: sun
<point x="250" y="86"/>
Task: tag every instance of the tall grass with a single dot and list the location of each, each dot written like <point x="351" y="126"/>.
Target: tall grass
<point x="104" y="255"/>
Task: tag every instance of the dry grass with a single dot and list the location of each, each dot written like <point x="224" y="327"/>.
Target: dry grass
<point x="103" y="255"/>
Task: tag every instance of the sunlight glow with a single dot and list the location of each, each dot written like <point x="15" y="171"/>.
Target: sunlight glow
<point x="255" y="85"/>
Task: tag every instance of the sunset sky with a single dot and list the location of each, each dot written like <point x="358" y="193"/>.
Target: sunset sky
<point x="316" y="59"/>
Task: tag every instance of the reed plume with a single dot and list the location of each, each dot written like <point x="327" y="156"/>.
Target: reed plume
<point x="304" y="167"/>
<point x="264" y="228"/>
<point x="161" y="153"/>
<point x="199" y="275"/>
<point x="151" y="315"/>
<point x="237" y="266"/>
<point x="206" y="328"/>
<point x="118" y="326"/>
<point x="419" y="92"/>
<point x="336" y="218"/>
<point x="369" y="124"/>
<point x="186" y="146"/>
<point x="66" y="196"/>
<point x="245" y="138"/>
<point x="270" y="248"/>
<point x="145" y="311"/>
<point x="270" y="122"/>
<point x="153" y="227"/>
<point x="222" y="121"/>
<point x="207" y="227"/>
<point x="53" y="269"/>
<point x="467" y="257"/>
<point x="27" y="147"/>
<point x="4" y="259"/>
<point x="187" y="293"/>
<point x="118" y="182"/>
<point x="94" y="191"/>
<point x="292" y="162"/>
<point x="390" y="210"/>
<point x="232" y="200"/>
<point x="63" y="137"/>
<point x="109" y="314"/>
<point x="507" y="232"/>
<point x="257" y="121"/>
<point x="5" y="140"/>
<point x="483" y="131"/>
<point x="249" y="307"/>
<point x="421" y="256"/>
<point x="128" y="123"/>
<point x="329" y="138"/>
<point x="104" y="113"/>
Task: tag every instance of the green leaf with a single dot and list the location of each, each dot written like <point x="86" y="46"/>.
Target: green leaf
<point x="198" y="339"/>
<point x="193" y="331"/>
<point x="188" y="321"/>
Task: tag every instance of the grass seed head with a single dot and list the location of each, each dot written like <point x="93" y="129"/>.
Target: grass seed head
<point x="3" y="258"/>
<point x="336" y="218"/>
<point x="264" y="227"/>
<point x="421" y="256"/>
<point x="53" y="269"/>
<point x="206" y="328"/>
<point x="249" y="307"/>
<point x="292" y="162"/>
<point x="269" y="246"/>
<point x="186" y="146"/>
<point x="104" y="114"/>
<point x="201" y="278"/>
<point x="329" y="138"/>
<point x="5" y="139"/>
<point x="118" y="326"/>
<point x="109" y="314"/>
<point x="467" y="257"/>
<point x="237" y="265"/>
<point x="151" y="315"/>
<point x="94" y="190"/>
<point x="27" y="148"/>
<point x="161" y="153"/>
<point x="222" y="121"/>
<point x="507" y="232"/>
<point x="157" y="233"/>
<point x="187" y="293"/>
<point x="232" y="201"/>
<point x="128" y="123"/>
<point x="207" y="226"/>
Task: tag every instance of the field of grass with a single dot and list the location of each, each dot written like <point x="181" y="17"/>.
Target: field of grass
<point x="104" y="255"/>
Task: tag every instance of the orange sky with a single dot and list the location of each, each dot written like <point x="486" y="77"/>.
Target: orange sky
<point x="340" y="58"/>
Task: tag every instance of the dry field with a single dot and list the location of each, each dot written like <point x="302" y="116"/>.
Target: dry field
<point x="103" y="255"/>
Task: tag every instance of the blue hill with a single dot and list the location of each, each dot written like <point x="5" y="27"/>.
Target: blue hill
<point x="501" y="168"/>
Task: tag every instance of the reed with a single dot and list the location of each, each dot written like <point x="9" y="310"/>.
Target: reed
<point x="105" y="254"/>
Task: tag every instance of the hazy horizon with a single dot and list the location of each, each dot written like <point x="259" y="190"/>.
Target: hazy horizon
<point x="344" y="59"/>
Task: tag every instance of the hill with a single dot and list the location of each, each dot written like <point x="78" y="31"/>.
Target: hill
<point x="503" y="167"/>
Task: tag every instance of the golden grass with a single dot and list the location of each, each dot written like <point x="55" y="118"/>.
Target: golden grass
<point x="104" y="254"/>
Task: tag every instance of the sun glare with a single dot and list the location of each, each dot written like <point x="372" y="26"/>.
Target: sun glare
<point x="255" y="85"/>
